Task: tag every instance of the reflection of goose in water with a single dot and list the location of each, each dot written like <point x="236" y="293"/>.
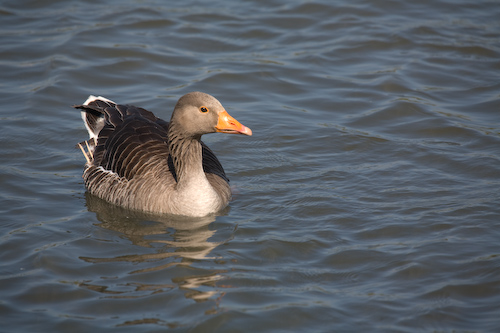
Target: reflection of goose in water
<point x="183" y="238"/>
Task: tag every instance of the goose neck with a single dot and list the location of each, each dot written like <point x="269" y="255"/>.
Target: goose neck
<point x="186" y="153"/>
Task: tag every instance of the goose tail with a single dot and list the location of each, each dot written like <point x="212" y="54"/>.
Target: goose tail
<point x="92" y="112"/>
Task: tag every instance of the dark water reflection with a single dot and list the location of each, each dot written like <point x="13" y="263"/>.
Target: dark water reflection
<point x="162" y="242"/>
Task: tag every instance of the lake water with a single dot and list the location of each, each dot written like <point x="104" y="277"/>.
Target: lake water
<point x="367" y="199"/>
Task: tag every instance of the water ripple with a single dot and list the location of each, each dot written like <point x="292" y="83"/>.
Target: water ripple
<point x="367" y="199"/>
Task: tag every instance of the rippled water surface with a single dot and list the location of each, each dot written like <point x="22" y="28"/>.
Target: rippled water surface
<point x="367" y="199"/>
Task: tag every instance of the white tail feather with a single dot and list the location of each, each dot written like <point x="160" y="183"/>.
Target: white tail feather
<point x="92" y="133"/>
<point x="93" y="98"/>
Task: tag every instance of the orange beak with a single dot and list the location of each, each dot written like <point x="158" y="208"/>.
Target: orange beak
<point x="227" y="124"/>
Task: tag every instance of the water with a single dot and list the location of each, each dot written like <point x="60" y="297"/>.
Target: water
<point x="367" y="199"/>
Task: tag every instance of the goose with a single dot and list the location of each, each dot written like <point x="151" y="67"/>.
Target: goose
<point x="141" y="162"/>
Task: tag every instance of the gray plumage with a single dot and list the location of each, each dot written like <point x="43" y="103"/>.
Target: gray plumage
<point x="142" y="162"/>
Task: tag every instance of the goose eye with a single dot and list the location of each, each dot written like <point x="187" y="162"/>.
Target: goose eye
<point x="203" y="109"/>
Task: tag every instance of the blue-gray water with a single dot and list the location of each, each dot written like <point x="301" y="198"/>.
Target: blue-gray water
<point x="367" y="199"/>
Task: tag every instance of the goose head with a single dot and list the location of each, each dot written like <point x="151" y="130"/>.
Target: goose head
<point x="197" y="113"/>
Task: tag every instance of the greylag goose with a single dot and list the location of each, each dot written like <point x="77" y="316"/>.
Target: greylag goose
<point x="142" y="162"/>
